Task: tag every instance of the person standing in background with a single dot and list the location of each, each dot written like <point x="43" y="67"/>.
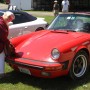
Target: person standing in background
<point x="65" y="6"/>
<point x="56" y="8"/>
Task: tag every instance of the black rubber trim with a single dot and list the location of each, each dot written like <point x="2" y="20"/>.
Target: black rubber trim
<point x="24" y="65"/>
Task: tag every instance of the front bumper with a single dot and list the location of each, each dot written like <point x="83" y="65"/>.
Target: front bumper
<point x="38" y="68"/>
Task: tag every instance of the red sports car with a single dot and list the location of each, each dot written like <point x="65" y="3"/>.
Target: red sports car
<point x="62" y="49"/>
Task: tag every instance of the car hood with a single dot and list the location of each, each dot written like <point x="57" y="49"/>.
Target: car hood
<point x="40" y="45"/>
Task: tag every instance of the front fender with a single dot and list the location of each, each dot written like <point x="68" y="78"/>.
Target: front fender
<point x="80" y="48"/>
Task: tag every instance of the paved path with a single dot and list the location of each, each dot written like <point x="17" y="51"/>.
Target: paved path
<point x="41" y="13"/>
<point x="3" y="6"/>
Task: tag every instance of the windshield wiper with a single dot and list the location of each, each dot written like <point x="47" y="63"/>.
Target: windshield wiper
<point x="60" y="31"/>
<point x="71" y="30"/>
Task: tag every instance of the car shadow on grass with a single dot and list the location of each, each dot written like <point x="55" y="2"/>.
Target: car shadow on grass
<point x="60" y="83"/>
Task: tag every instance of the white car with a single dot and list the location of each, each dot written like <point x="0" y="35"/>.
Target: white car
<point x="24" y="23"/>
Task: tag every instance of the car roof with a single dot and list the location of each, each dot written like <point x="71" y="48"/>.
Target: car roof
<point x="84" y="13"/>
<point x="13" y="11"/>
<point x="17" y="12"/>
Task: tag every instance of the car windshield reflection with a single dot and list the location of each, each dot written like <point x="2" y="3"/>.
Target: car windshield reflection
<point x="71" y="22"/>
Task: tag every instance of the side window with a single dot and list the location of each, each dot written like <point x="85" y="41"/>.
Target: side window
<point x="20" y="18"/>
<point x="24" y="18"/>
<point x="17" y="19"/>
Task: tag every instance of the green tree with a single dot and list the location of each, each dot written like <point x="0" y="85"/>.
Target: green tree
<point x="2" y="1"/>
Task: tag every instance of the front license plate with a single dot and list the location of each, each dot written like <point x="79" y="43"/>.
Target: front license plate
<point x="24" y="70"/>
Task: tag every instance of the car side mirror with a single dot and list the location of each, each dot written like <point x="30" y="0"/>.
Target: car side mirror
<point x="10" y="23"/>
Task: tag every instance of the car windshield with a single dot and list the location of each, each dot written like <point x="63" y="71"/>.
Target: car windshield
<point x="72" y="22"/>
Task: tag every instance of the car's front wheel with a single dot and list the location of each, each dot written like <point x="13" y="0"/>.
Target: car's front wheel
<point x="79" y="65"/>
<point x="40" y="28"/>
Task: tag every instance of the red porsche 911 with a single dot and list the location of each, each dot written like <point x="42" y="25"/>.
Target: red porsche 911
<point x="62" y="49"/>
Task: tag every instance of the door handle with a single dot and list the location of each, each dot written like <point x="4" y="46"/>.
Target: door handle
<point x="26" y="27"/>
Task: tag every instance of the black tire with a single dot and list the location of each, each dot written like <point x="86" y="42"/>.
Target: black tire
<point x="40" y="28"/>
<point x="79" y="65"/>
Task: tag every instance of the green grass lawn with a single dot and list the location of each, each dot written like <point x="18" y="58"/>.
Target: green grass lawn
<point x="18" y="81"/>
<point x="48" y="18"/>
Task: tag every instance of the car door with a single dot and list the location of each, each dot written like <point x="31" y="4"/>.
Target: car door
<point x="19" y="25"/>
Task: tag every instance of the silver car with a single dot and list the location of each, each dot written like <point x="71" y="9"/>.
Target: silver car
<point x="24" y="23"/>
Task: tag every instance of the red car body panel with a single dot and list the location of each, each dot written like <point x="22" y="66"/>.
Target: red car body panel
<point x="39" y="44"/>
<point x="36" y="68"/>
<point x="35" y="51"/>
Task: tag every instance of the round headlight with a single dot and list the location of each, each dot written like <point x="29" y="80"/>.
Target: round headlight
<point x="55" y="53"/>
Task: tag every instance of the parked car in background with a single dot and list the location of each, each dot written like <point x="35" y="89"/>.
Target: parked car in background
<point x="24" y="23"/>
<point x="62" y="49"/>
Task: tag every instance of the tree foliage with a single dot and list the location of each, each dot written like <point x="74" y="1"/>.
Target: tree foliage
<point x="2" y="1"/>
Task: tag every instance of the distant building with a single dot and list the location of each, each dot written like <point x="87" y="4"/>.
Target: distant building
<point x="75" y="5"/>
<point x="21" y="4"/>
